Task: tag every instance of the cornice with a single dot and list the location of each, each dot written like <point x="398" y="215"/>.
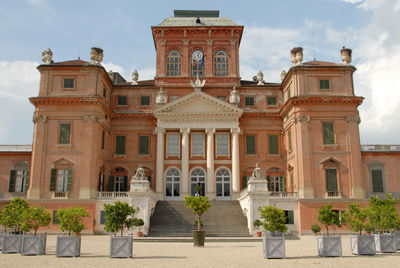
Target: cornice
<point x="131" y="116"/>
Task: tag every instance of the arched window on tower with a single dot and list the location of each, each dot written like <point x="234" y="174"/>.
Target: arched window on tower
<point x="174" y="63"/>
<point x="221" y="63"/>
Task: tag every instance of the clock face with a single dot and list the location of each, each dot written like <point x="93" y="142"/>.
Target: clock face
<point x="197" y="55"/>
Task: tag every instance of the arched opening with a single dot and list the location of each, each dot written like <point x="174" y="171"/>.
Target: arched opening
<point x="198" y="182"/>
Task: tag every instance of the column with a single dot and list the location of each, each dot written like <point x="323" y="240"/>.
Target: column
<point x="160" y="160"/>
<point x="185" y="162"/>
<point x="210" y="162"/>
<point x="235" y="160"/>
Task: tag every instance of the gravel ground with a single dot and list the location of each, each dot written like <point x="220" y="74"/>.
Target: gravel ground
<point x="299" y="253"/>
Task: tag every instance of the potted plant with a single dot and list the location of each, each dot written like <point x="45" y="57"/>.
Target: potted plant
<point x="329" y="246"/>
<point x="383" y="215"/>
<point x="71" y="220"/>
<point x="138" y="223"/>
<point x="357" y="220"/>
<point x="119" y="216"/>
<point x="273" y="241"/>
<point x="13" y="217"/>
<point x="315" y="228"/>
<point x="198" y="205"/>
<point x="257" y="223"/>
<point x="34" y="218"/>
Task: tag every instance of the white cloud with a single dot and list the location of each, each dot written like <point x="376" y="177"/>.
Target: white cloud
<point x="144" y="73"/>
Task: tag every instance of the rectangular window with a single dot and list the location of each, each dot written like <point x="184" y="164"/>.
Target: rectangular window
<point x="271" y="101"/>
<point x="197" y="144"/>
<point x="145" y="100"/>
<point x="65" y="133"/>
<point x="377" y="181"/>
<point x="63" y="179"/>
<point x="328" y="133"/>
<point x="331" y="180"/>
<point x="273" y="144"/>
<point x="250" y="144"/>
<point x="222" y="143"/>
<point x="122" y="100"/>
<point x="144" y="145"/>
<point x="290" y="140"/>
<point x="249" y="101"/>
<point x="55" y="219"/>
<point x="102" y="139"/>
<point x="21" y="181"/>
<point x="68" y="83"/>
<point x="289" y="214"/>
<point x="173" y="142"/>
<point x="223" y="98"/>
<point x="102" y="217"/>
<point x="120" y="145"/>
<point x="324" y="84"/>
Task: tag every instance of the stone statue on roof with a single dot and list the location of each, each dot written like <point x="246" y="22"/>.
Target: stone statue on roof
<point x="198" y="85"/>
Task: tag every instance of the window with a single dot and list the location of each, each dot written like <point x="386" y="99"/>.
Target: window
<point x="273" y="144"/>
<point x="173" y="63"/>
<point x="19" y="181"/>
<point x="328" y="133"/>
<point x="68" y="83"/>
<point x="249" y="101"/>
<point x="144" y="145"/>
<point x="271" y="101"/>
<point x="197" y="63"/>
<point x="122" y="100"/>
<point x="222" y="143"/>
<point x="65" y="133"/>
<point x="197" y="144"/>
<point x="221" y="63"/>
<point x="223" y="183"/>
<point x="250" y="144"/>
<point x="223" y="98"/>
<point x="102" y="139"/>
<point x="324" y="84"/>
<point x="289" y="216"/>
<point x="197" y="178"/>
<point x="120" y="145"/>
<point x="276" y="183"/>
<point x="118" y="181"/>
<point x="172" y="182"/>
<point x="173" y="144"/>
<point x="102" y="217"/>
<point x="377" y="181"/>
<point x="61" y="180"/>
<point x="331" y="180"/>
<point x="55" y="219"/>
<point x="290" y="140"/>
<point x="145" y="100"/>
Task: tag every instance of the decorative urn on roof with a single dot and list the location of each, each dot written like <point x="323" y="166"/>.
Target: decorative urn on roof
<point x="296" y="55"/>
<point x="161" y="97"/>
<point x="96" y="55"/>
<point x="260" y="78"/>
<point x="283" y="75"/>
<point x="234" y="97"/>
<point x="135" y="77"/>
<point x="346" y="55"/>
<point x="47" y="55"/>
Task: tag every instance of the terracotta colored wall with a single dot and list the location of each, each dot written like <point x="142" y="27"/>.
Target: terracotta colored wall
<point x="8" y="160"/>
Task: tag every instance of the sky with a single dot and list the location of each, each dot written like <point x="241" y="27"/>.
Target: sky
<point x="272" y="27"/>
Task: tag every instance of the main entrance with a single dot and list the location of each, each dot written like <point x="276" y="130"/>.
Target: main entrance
<point x="172" y="185"/>
<point x="198" y="182"/>
<point x="223" y="184"/>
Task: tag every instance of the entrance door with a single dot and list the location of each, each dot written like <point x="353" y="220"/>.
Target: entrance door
<point x="172" y="185"/>
<point x="223" y="184"/>
<point x="198" y="182"/>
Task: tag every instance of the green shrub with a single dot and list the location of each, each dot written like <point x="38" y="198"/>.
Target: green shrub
<point x="71" y="219"/>
<point x="315" y="228"/>
<point x="328" y="217"/>
<point x="198" y="205"/>
<point x="34" y="218"/>
<point x="274" y="219"/>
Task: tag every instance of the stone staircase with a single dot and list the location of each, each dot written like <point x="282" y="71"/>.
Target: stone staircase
<point x="223" y="219"/>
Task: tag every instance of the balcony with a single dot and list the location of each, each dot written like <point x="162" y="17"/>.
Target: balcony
<point x="286" y="195"/>
<point x="59" y="195"/>
<point x="111" y="195"/>
<point x="333" y="194"/>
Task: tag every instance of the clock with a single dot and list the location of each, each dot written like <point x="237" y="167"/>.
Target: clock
<point x="197" y="55"/>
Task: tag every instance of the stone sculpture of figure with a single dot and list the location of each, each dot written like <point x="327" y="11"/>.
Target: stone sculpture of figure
<point x="346" y="55"/>
<point x="198" y="85"/>
<point x="47" y="55"/>
<point x="140" y="176"/>
<point x="135" y="77"/>
<point x="260" y="78"/>
<point x="161" y="97"/>
<point x="257" y="173"/>
<point x="234" y="97"/>
<point x="283" y="75"/>
<point x="96" y="55"/>
<point x="297" y="55"/>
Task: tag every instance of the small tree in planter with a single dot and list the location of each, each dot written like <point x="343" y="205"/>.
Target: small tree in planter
<point x="383" y="215"/>
<point x="71" y="220"/>
<point x="329" y="246"/>
<point x="34" y="218"/>
<point x="118" y="217"/>
<point x="257" y="223"/>
<point x="198" y="205"/>
<point x="138" y="223"/>
<point x="357" y="220"/>
<point x="273" y="221"/>
<point x="315" y="228"/>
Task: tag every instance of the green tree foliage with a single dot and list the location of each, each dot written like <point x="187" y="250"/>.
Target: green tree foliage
<point x="257" y="223"/>
<point x="198" y="205"/>
<point x="138" y="222"/>
<point x="356" y="217"/>
<point x="383" y="213"/>
<point x="326" y="216"/>
<point x="273" y="219"/>
<point x="118" y="216"/>
<point x="71" y="219"/>
<point x="34" y="218"/>
<point x="13" y="214"/>
<point x="315" y="228"/>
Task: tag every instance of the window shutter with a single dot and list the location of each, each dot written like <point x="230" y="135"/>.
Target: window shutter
<point x="269" y="182"/>
<point x="120" y="145"/>
<point x="273" y="144"/>
<point x="125" y="188"/>
<point x="282" y="183"/>
<point x="26" y="182"/>
<point x="69" y="182"/>
<point x="144" y="145"/>
<point x="377" y="182"/>
<point x="53" y="180"/>
<point x="11" y="186"/>
<point x="290" y="217"/>
<point x="102" y="217"/>
<point x="250" y="144"/>
<point x="110" y="186"/>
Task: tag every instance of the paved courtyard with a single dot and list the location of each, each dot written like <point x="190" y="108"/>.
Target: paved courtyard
<point x="300" y="253"/>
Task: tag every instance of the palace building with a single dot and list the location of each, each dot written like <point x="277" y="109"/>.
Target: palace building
<point x="198" y="125"/>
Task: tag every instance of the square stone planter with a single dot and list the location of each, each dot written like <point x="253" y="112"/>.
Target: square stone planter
<point x="68" y="246"/>
<point x="385" y="243"/>
<point x="121" y="246"/>
<point x="329" y="246"/>
<point x="12" y="243"/>
<point x="397" y="235"/>
<point x="362" y="245"/>
<point x="1" y="241"/>
<point x="274" y="246"/>
<point x="33" y="244"/>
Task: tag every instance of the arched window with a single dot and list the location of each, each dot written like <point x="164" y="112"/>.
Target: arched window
<point x="198" y="178"/>
<point x="172" y="185"/>
<point x="174" y="63"/>
<point x="197" y="63"/>
<point x="221" y="63"/>
<point x="223" y="183"/>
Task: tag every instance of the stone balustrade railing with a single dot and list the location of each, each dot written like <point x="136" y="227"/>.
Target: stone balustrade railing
<point x="111" y="195"/>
